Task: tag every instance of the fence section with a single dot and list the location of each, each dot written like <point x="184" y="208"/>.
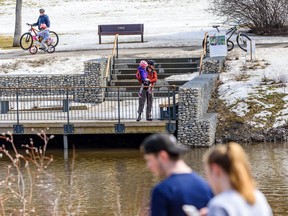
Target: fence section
<point x="83" y="103"/>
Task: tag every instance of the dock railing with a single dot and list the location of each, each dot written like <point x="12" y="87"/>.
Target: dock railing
<point x="70" y="104"/>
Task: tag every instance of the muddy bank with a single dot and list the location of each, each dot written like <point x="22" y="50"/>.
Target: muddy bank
<point x="243" y="133"/>
<point x="231" y="127"/>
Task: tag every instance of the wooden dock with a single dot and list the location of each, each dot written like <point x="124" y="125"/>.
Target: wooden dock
<point x="87" y="127"/>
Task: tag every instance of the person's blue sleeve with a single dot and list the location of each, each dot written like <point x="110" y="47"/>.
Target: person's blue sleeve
<point x="217" y="211"/>
<point x="158" y="204"/>
<point x="47" y="21"/>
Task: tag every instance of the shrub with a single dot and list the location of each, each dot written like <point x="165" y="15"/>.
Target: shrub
<point x="264" y="17"/>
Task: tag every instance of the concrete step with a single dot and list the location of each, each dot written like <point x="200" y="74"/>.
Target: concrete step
<point x="157" y="60"/>
<point x="160" y="65"/>
<point x="134" y="84"/>
<point x="128" y="82"/>
<point x="132" y="76"/>
<point x="159" y="70"/>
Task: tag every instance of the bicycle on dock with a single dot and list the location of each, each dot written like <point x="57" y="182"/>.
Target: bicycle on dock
<point x="28" y="38"/>
<point x="241" y="39"/>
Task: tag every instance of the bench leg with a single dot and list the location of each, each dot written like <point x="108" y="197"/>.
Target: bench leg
<point x="99" y="39"/>
<point x="142" y="38"/>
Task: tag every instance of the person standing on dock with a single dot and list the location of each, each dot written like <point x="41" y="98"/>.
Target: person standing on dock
<point x="181" y="185"/>
<point x="147" y="92"/>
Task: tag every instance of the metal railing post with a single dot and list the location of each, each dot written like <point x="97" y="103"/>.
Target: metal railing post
<point x="119" y="128"/>
<point x="170" y="127"/>
<point x="113" y="63"/>
<point x="118" y="103"/>
<point x="17" y="106"/>
<point x="117" y="47"/>
<point x="67" y="107"/>
<point x="18" y="128"/>
<point x="168" y="109"/>
<point x="174" y="104"/>
<point x="68" y="128"/>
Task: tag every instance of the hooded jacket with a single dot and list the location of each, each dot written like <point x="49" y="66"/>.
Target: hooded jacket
<point x="42" y="19"/>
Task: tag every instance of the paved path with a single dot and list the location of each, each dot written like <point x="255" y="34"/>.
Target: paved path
<point x="127" y="52"/>
<point x="122" y="52"/>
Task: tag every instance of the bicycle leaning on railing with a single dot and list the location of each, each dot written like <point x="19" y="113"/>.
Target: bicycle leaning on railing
<point x="26" y="40"/>
<point x="241" y="39"/>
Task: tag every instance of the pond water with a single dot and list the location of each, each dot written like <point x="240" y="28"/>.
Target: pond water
<point x="116" y="181"/>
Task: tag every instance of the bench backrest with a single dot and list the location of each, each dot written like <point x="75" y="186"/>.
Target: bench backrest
<point x="121" y="28"/>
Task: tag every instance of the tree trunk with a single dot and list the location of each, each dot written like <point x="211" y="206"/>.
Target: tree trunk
<point x="18" y="23"/>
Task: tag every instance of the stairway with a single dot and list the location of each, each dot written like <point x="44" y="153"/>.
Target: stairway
<point x="125" y="69"/>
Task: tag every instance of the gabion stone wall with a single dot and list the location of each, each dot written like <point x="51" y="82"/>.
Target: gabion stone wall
<point x="213" y="65"/>
<point x="93" y="75"/>
<point x="94" y="71"/>
<point x="196" y="127"/>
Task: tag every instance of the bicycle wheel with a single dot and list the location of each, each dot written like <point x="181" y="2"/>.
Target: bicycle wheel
<point x="54" y="38"/>
<point x="230" y="45"/>
<point x="51" y="49"/>
<point x="33" y="50"/>
<point x="26" y="41"/>
<point x="242" y="40"/>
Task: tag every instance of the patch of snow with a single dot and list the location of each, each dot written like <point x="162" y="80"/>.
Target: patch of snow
<point x="45" y="65"/>
<point x="252" y="85"/>
<point x="187" y="77"/>
<point x="241" y="109"/>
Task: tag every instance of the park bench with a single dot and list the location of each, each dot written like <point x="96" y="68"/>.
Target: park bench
<point x="121" y="29"/>
<point x="166" y="107"/>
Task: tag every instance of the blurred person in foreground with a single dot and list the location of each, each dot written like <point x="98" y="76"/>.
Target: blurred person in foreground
<point x="228" y="173"/>
<point x="180" y="186"/>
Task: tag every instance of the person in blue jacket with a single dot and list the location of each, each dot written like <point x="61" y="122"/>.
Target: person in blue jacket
<point x="181" y="185"/>
<point x="42" y="19"/>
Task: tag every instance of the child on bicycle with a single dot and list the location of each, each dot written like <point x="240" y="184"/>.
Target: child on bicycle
<point x="43" y="35"/>
<point x="142" y="76"/>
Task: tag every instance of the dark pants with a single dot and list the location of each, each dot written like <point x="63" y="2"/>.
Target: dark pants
<point x="149" y="97"/>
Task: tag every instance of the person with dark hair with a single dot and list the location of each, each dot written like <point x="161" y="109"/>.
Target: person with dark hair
<point x="42" y="19"/>
<point x="181" y="185"/>
<point x="228" y="172"/>
<point x="147" y="91"/>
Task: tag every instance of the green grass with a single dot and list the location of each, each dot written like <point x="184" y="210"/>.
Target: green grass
<point x="6" y="42"/>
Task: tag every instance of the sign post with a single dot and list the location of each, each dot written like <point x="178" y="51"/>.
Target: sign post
<point x="218" y="44"/>
<point x="251" y="48"/>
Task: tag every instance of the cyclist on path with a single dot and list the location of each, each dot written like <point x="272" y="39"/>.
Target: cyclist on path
<point x="43" y="18"/>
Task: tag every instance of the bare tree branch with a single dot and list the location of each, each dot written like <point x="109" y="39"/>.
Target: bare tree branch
<point x="262" y="16"/>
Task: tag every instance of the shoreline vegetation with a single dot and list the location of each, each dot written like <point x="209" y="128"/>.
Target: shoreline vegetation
<point x="257" y="116"/>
